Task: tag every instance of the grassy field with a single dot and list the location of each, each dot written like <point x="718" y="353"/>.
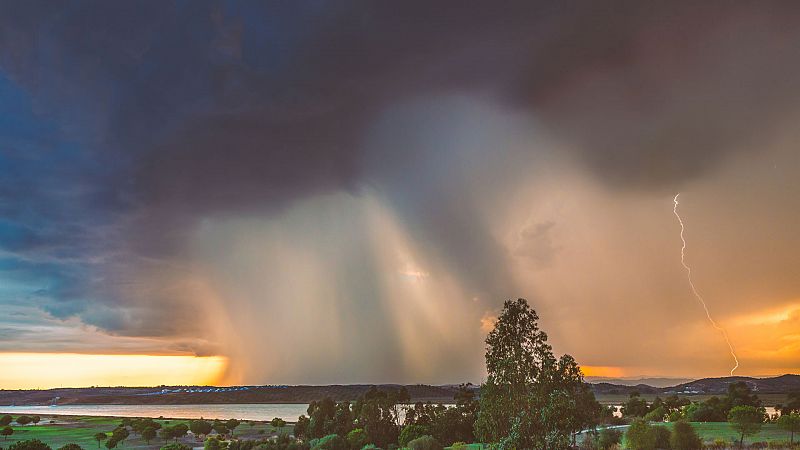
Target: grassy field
<point x="710" y="431"/>
<point x="618" y="399"/>
<point x="81" y="430"/>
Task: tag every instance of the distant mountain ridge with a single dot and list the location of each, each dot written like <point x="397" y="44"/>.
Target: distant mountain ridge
<point x="658" y="382"/>
<point x="169" y="395"/>
<point x="776" y="385"/>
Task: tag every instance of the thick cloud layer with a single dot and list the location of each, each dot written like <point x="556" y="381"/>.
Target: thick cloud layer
<point x="144" y="140"/>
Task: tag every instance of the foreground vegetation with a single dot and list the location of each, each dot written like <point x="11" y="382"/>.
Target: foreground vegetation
<point x="531" y="400"/>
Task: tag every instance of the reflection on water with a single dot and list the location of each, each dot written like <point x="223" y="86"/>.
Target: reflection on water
<point x="263" y="411"/>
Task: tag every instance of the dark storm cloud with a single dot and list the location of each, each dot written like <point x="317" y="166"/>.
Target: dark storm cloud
<point x="145" y="117"/>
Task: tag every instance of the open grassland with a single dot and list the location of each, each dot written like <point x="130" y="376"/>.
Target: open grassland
<point x="81" y="430"/>
<point x="711" y="431"/>
<point x="619" y="399"/>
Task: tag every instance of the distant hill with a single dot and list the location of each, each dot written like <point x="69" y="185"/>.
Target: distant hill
<point x="175" y="395"/>
<point x="774" y="385"/>
<point x="781" y="384"/>
<point x="649" y="381"/>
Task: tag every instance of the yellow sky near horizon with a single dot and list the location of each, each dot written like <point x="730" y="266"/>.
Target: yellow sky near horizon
<point x="53" y="370"/>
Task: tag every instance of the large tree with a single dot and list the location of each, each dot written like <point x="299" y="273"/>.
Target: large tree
<point x="530" y="398"/>
<point x="791" y="423"/>
<point x="746" y="420"/>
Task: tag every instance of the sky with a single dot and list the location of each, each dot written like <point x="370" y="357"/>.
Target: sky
<point x="346" y="192"/>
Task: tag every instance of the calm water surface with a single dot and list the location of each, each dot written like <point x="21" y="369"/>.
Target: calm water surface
<point x="264" y="411"/>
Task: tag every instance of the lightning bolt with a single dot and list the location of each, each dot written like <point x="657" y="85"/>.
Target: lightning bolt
<point x="694" y="290"/>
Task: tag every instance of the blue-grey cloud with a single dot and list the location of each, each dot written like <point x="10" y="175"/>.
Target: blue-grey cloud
<point x="124" y="125"/>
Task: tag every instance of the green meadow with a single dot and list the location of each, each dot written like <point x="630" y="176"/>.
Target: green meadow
<point x="81" y="430"/>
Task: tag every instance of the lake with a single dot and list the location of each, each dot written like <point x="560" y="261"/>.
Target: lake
<point x="261" y="411"/>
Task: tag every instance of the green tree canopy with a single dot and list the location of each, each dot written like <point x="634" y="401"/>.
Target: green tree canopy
<point x="357" y="439"/>
<point x="636" y="406"/>
<point x="746" y="420"/>
<point x="329" y="442"/>
<point x="148" y="434"/>
<point x="6" y="420"/>
<point x="212" y="443"/>
<point x="685" y="437"/>
<point x="530" y="398"/>
<point x="100" y="437"/>
<point x="31" y="444"/>
<point x="70" y="446"/>
<point x="24" y="420"/>
<point x="662" y="437"/>
<point x="176" y="446"/>
<point x="200" y="427"/>
<point x="411" y="432"/>
<point x="640" y="436"/>
<point x="425" y="443"/>
<point x="6" y="432"/>
<point x="791" y="423"/>
<point x="609" y="437"/>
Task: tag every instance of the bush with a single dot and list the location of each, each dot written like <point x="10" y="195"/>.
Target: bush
<point x="656" y="415"/>
<point x="329" y="442"/>
<point x="213" y="443"/>
<point x="640" y="436"/>
<point x="32" y="444"/>
<point x="609" y="437"/>
<point x="23" y="420"/>
<point x="459" y="446"/>
<point x="662" y="436"/>
<point x="719" y="443"/>
<point x="71" y="447"/>
<point x="425" y="443"/>
<point x="357" y="439"/>
<point x="684" y="437"/>
<point x="370" y="447"/>
<point x="409" y="433"/>
<point x="176" y="446"/>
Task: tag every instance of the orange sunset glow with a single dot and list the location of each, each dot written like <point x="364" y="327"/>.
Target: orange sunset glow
<point x="51" y="370"/>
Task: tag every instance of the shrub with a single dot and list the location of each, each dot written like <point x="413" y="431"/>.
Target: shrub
<point x="425" y="443"/>
<point x="685" y="437"/>
<point x="31" y="444"/>
<point x="719" y="443"/>
<point x="640" y="436"/>
<point x="675" y="416"/>
<point x="329" y="442"/>
<point x="409" y="433"/>
<point x="370" y="447"/>
<point x="656" y="415"/>
<point x="212" y="443"/>
<point x="176" y="446"/>
<point x="662" y="436"/>
<point x="71" y="447"/>
<point x="24" y="420"/>
<point x="609" y="437"/>
<point x="459" y="446"/>
<point x="357" y="438"/>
